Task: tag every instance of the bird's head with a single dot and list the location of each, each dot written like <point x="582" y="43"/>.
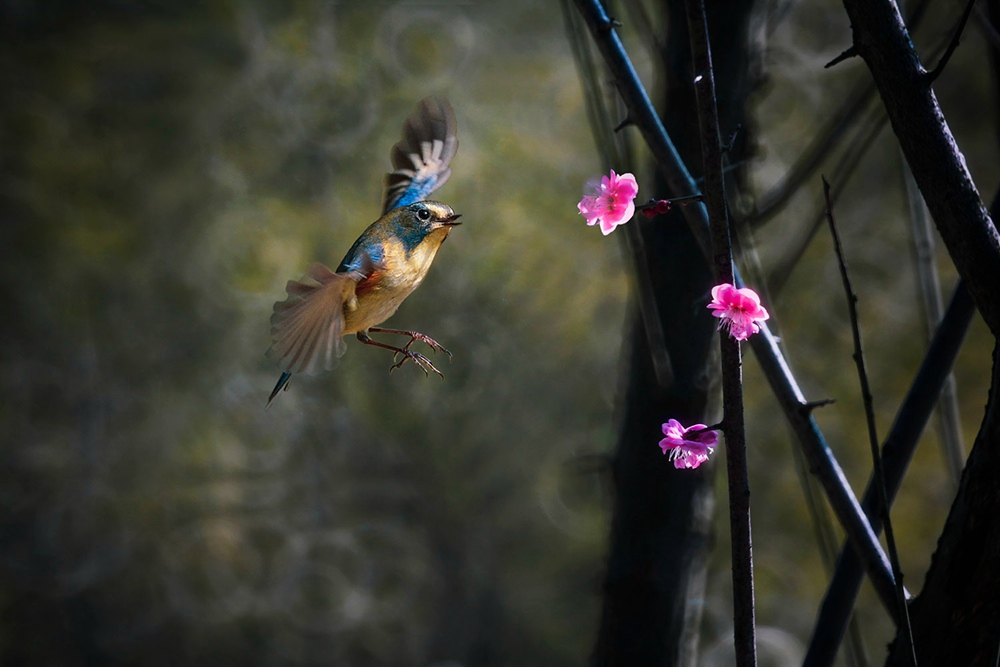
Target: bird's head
<point x="415" y="222"/>
<point x="427" y="216"/>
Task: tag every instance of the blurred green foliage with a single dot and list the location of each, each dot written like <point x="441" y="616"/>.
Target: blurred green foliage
<point x="166" y="168"/>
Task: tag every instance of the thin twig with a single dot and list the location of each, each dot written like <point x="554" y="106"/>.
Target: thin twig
<point x="731" y="141"/>
<point x="900" y="444"/>
<point x="955" y="39"/>
<point x="859" y="360"/>
<point x="741" y="542"/>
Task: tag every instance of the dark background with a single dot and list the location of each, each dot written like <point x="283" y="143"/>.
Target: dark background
<point x="165" y="168"/>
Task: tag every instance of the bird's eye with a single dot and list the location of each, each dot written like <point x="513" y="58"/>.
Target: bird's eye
<point x="424" y="214"/>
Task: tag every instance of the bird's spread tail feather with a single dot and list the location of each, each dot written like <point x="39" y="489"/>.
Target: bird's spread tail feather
<point x="306" y="327"/>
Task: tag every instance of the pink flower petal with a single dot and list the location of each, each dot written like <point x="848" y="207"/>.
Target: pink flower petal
<point x="688" y="447"/>
<point x="612" y="202"/>
<point x="738" y="309"/>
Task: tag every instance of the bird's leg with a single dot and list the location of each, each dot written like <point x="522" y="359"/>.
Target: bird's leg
<point x="414" y="335"/>
<point x="422" y="362"/>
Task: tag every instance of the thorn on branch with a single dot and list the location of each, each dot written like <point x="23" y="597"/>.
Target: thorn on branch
<point x="728" y="146"/>
<point x="625" y="123"/>
<point x="609" y="26"/>
<point x="848" y="53"/>
<point x="809" y="406"/>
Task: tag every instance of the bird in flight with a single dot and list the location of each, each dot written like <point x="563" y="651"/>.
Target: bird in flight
<point x="388" y="261"/>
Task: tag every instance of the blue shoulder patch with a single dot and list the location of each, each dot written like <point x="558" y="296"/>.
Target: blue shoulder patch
<point x="355" y="260"/>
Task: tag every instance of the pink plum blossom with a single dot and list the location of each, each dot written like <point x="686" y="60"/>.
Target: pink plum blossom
<point x="612" y="202"/>
<point x="739" y="310"/>
<point x="689" y="447"/>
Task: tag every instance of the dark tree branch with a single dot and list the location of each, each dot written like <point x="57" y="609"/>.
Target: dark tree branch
<point x="957" y="614"/>
<point x="926" y="140"/>
<point x="662" y="518"/>
<point x="744" y="633"/>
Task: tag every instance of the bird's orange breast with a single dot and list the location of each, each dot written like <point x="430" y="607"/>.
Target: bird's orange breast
<point x="398" y="274"/>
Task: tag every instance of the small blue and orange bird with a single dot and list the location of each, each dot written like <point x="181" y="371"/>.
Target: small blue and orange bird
<point x="383" y="267"/>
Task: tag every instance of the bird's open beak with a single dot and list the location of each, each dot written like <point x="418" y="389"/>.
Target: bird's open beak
<point x="450" y="220"/>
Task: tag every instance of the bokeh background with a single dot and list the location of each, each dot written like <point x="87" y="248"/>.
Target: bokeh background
<point x="166" y="167"/>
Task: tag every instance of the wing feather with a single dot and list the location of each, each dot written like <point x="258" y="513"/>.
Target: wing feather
<point x="422" y="157"/>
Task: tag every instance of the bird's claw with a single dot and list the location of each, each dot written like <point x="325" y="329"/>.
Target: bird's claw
<point x="428" y="341"/>
<point x="422" y="362"/>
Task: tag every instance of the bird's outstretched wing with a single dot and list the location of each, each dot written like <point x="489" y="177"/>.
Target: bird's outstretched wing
<point x="306" y="327"/>
<point x="420" y="159"/>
